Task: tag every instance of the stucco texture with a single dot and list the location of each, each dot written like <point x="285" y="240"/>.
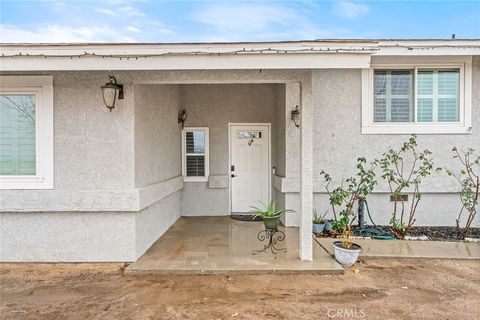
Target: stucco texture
<point x="157" y="133"/>
<point x="337" y="104"/>
<point x="215" y="106"/>
<point x="116" y="175"/>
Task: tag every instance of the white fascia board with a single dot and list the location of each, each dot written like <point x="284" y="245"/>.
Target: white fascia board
<point x="191" y="62"/>
<point x="428" y="48"/>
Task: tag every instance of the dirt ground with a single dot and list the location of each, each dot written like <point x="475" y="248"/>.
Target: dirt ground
<point x="374" y="289"/>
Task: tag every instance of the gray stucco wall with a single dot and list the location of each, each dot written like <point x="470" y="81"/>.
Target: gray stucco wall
<point x="338" y="142"/>
<point x="111" y="197"/>
<point x="157" y="133"/>
<point x="115" y="196"/>
<point x="214" y="106"/>
<point x="67" y="236"/>
<point x="157" y="158"/>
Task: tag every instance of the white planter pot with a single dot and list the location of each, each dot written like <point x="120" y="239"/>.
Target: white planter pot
<point x="346" y="257"/>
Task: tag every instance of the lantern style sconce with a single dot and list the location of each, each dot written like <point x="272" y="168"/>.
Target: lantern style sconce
<point x="296" y="116"/>
<point x="111" y="91"/>
<point x="182" y="117"/>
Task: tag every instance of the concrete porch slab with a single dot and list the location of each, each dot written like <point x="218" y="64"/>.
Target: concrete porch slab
<point x="410" y="249"/>
<point x="220" y="245"/>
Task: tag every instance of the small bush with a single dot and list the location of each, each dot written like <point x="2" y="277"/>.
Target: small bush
<point x="404" y="170"/>
<point x="344" y="197"/>
<point x="468" y="176"/>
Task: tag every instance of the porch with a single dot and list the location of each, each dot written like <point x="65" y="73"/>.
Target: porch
<point x="221" y="245"/>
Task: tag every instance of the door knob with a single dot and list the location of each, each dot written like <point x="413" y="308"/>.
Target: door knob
<point x="233" y="175"/>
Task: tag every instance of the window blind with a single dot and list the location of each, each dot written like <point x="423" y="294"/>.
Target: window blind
<point x="17" y="134"/>
<point x="195" y="153"/>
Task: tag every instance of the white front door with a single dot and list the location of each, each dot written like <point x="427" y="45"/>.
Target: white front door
<point x="249" y="166"/>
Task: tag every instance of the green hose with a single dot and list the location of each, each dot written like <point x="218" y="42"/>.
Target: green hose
<point x="374" y="233"/>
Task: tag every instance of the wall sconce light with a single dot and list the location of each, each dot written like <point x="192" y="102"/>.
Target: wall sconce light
<point x="110" y="91"/>
<point x="182" y="117"/>
<point x="296" y="116"/>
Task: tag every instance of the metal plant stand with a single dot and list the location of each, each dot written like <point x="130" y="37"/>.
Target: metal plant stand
<point x="272" y="236"/>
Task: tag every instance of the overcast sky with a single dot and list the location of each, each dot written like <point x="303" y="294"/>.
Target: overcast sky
<point x="200" y="21"/>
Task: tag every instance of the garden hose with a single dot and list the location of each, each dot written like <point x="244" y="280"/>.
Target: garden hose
<point x="376" y="232"/>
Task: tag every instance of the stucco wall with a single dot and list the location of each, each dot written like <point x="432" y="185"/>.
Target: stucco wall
<point x="67" y="236"/>
<point x="157" y="142"/>
<point x="338" y="142"/>
<point x="154" y="221"/>
<point x="112" y="195"/>
<point x="116" y="197"/>
<point x="214" y="106"/>
<point x="157" y="133"/>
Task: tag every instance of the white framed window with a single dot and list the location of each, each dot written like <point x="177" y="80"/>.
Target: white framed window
<point x="422" y="98"/>
<point x="195" y="152"/>
<point x="26" y="132"/>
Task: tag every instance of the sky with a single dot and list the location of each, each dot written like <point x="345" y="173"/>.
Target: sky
<point x="212" y="21"/>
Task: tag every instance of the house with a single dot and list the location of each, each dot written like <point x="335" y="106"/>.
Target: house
<point x="206" y="129"/>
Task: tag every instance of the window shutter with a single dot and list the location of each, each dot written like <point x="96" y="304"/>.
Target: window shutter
<point x="380" y="101"/>
<point x="438" y="96"/>
<point x="448" y="96"/>
<point x="17" y="135"/>
<point x="425" y="96"/>
<point x="393" y="96"/>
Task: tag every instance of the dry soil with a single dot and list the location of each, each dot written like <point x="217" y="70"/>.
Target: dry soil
<point x="374" y="289"/>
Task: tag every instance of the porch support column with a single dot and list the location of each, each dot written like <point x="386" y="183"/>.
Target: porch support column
<point x="306" y="172"/>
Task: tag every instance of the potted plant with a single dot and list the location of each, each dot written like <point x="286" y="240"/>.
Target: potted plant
<point x="328" y="225"/>
<point x="271" y="217"/>
<point x="346" y="252"/>
<point x="358" y="186"/>
<point x="318" y="221"/>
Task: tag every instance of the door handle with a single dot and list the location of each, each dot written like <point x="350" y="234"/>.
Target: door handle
<point x="233" y="175"/>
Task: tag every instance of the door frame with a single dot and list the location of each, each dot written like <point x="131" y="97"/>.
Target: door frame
<point x="269" y="143"/>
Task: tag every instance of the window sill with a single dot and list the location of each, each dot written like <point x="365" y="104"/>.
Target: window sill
<point x="434" y="128"/>
<point x="195" y="179"/>
<point x="25" y="183"/>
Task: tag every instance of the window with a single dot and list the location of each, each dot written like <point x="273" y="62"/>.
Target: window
<point x="195" y="154"/>
<point x="26" y="132"/>
<point x="393" y="96"/>
<point x="242" y="134"/>
<point x="418" y="98"/>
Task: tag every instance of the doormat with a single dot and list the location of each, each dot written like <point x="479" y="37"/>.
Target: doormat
<point x="245" y="217"/>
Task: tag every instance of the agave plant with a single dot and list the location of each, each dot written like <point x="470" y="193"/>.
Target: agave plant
<point x="269" y="211"/>
<point x="319" y="218"/>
